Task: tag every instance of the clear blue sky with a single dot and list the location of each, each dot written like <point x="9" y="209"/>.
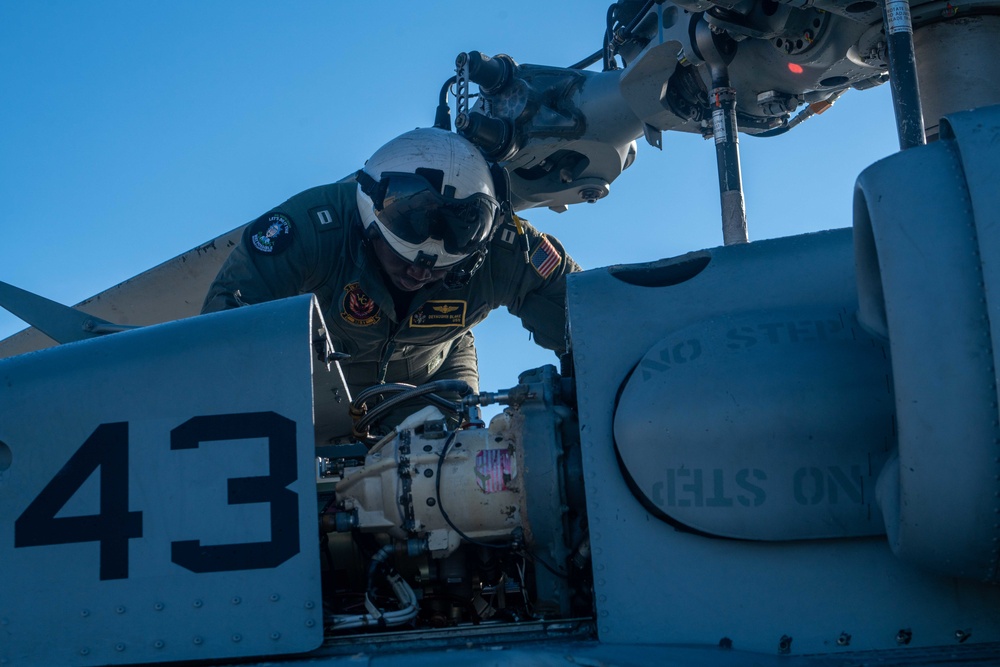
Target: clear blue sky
<point x="131" y="132"/>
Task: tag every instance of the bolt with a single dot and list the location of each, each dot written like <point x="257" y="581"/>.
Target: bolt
<point x="85" y="613"/>
<point x="159" y="643"/>
<point x="431" y="502"/>
<point x="236" y="599"/>
<point x="275" y="636"/>
<point x="785" y="644"/>
<point x="428" y="473"/>
<point x="310" y="604"/>
<point x="237" y="638"/>
<point x="158" y="606"/>
<point x="310" y="623"/>
<point x="198" y="641"/>
<point x="197" y="604"/>
<point x="904" y="636"/>
<point x="275" y="597"/>
<point x="120" y="609"/>
<point x="726" y="643"/>
<point x="85" y="651"/>
<point x="844" y="639"/>
<point x="120" y="646"/>
<point x="962" y="635"/>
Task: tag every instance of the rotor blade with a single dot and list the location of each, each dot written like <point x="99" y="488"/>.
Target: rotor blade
<point x="60" y="323"/>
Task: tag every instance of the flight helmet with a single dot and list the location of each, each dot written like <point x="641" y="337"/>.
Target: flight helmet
<point x="429" y="194"/>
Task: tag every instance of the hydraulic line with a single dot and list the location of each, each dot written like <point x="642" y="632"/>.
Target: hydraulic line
<point x="460" y="387"/>
<point x="404" y="594"/>
<point x="718" y="51"/>
<point x="903" y="74"/>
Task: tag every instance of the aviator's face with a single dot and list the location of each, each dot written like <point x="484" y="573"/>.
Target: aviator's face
<point x="404" y="275"/>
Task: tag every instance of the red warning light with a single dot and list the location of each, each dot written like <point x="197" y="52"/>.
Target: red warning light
<point x="794" y="69"/>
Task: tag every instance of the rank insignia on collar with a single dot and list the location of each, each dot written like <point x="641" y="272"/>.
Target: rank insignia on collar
<point x="359" y="308"/>
<point x="507" y="235"/>
<point x="439" y="313"/>
<point x="271" y="233"/>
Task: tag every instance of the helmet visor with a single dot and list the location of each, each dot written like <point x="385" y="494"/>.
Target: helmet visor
<point x="414" y="211"/>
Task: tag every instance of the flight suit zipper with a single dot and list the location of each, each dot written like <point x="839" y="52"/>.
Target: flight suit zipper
<point x="387" y="349"/>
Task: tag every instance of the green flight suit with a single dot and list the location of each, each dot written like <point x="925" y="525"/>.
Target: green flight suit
<point x="314" y="242"/>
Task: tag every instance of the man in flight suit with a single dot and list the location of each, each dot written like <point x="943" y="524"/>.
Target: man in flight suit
<point x="405" y="262"/>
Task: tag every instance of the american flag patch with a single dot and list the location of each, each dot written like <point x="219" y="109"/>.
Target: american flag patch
<point x="545" y="258"/>
<point x="494" y="468"/>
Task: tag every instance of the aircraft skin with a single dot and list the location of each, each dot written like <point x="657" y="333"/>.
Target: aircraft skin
<point x="785" y="452"/>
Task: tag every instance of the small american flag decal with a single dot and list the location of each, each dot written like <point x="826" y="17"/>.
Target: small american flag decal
<point x="494" y="469"/>
<point x="545" y="258"/>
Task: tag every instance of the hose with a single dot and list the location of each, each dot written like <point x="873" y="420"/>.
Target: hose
<point x="408" y="606"/>
<point x="460" y="387"/>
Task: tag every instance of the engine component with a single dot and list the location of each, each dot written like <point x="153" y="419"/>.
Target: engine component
<point x="943" y="245"/>
<point x="401" y="490"/>
<point x="486" y="521"/>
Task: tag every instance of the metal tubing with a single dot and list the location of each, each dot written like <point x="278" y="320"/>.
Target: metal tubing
<point x="903" y="74"/>
<point x="727" y="154"/>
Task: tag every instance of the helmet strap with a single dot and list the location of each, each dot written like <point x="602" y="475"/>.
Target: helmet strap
<point x="501" y="189"/>
<point x="459" y="277"/>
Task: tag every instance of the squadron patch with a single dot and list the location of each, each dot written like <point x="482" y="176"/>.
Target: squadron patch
<point x="439" y="314"/>
<point x="271" y="233"/>
<point x="545" y="258"/>
<point x="358" y="308"/>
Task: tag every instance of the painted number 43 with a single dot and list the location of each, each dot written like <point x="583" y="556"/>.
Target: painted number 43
<point x="107" y="451"/>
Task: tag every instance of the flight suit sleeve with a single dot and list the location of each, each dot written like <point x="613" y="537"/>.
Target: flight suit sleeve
<point x="274" y="260"/>
<point x="534" y="289"/>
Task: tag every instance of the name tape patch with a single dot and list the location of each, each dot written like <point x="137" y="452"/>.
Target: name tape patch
<point x="439" y="313"/>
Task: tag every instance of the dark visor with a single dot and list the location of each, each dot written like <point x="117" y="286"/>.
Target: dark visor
<point x="414" y="211"/>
